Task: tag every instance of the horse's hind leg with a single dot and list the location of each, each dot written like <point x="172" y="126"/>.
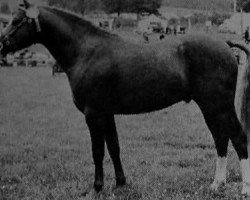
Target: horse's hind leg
<point x="224" y="125"/>
<point x="239" y="142"/>
<point x="114" y="150"/>
<point x="221" y="139"/>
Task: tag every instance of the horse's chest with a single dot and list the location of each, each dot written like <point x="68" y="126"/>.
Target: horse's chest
<point x="79" y="87"/>
<point x="93" y="92"/>
<point x="79" y="97"/>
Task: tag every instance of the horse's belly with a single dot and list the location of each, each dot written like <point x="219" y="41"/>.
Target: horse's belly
<point x="143" y="106"/>
<point x="148" y="100"/>
<point x="124" y="100"/>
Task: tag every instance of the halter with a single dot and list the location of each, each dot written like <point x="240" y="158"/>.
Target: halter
<point x="31" y="14"/>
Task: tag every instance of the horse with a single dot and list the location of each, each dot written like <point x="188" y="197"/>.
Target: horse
<point x="109" y="75"/>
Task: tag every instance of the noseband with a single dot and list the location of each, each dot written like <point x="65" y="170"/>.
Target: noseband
<point x="25" y="19"/>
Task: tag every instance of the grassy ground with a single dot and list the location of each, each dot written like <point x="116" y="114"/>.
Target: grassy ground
<point x="46" y="151"/>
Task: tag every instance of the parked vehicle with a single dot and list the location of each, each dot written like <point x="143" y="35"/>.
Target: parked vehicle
<point x="156" y="27"/>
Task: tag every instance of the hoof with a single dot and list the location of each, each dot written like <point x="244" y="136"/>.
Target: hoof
<point x="98" y="187"/>
<point x="216" y="185"/>
<point x="120" y="182"/>
<point x="246" y="189"/>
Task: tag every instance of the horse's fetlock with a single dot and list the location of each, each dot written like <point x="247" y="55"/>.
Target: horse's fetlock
<point x="98" y="186"/>
<point x="120" y="181"/>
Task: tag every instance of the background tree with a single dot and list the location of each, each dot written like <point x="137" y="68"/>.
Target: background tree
<point x="150" y="6"/>
<point x="79" y="6"/>
<point x="244" y="4"/>
<point x="115" y="6"/>
<point x="135" y="6"/>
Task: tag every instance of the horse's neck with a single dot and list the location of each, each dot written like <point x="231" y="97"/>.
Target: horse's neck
<point x="67" y="40"/>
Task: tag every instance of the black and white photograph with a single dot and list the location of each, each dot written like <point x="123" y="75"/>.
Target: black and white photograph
<point x="124" y="99"/>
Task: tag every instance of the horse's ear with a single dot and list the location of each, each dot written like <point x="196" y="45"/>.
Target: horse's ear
<point x="26" y="3"/>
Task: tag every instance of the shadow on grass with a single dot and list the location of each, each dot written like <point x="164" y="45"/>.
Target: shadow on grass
<point x="128" y="192"/>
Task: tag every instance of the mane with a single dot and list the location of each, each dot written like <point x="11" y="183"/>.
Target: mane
<point x="78" y="18"/>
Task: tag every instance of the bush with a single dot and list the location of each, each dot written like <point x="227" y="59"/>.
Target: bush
<point x="219" y="18"/>
<point x="198" y="18"/>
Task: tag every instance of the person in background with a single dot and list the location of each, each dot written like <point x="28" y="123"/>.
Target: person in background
<point x="145" y="37"/>
<point x="246" y="35"/>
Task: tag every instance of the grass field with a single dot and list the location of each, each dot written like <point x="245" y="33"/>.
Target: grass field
<point x="45" y="149"/>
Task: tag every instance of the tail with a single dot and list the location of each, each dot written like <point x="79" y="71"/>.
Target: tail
<point x="242" y="94"/>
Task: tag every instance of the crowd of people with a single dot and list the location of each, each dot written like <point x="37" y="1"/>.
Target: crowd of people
<point x="246" y="35"/>
<point x="170" y="30"/>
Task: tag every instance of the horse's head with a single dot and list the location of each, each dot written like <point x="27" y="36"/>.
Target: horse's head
<point x="22" y="31"/>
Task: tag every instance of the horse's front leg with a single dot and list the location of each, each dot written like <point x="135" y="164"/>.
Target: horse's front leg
<point x="96" y="124"/>
<point x="111" y="139"/>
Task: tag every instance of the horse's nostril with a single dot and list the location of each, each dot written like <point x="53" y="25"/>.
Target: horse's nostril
<point x="7" y="42"/>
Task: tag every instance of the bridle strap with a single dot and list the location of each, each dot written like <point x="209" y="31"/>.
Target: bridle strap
<point x="38" y="26"/>
<point x="6" y="37"/>
<point x="38" y="29"/>
<point x="18" y="26"/>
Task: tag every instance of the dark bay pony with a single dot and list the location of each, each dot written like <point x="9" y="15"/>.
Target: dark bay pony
<point x="109" y="75"/>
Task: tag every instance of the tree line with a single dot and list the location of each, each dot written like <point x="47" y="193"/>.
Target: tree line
<point x="150" y="6"/>
<point x="120" y="6"/>
<point x="244" y="4"/>
<point x="109" y="6"/>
